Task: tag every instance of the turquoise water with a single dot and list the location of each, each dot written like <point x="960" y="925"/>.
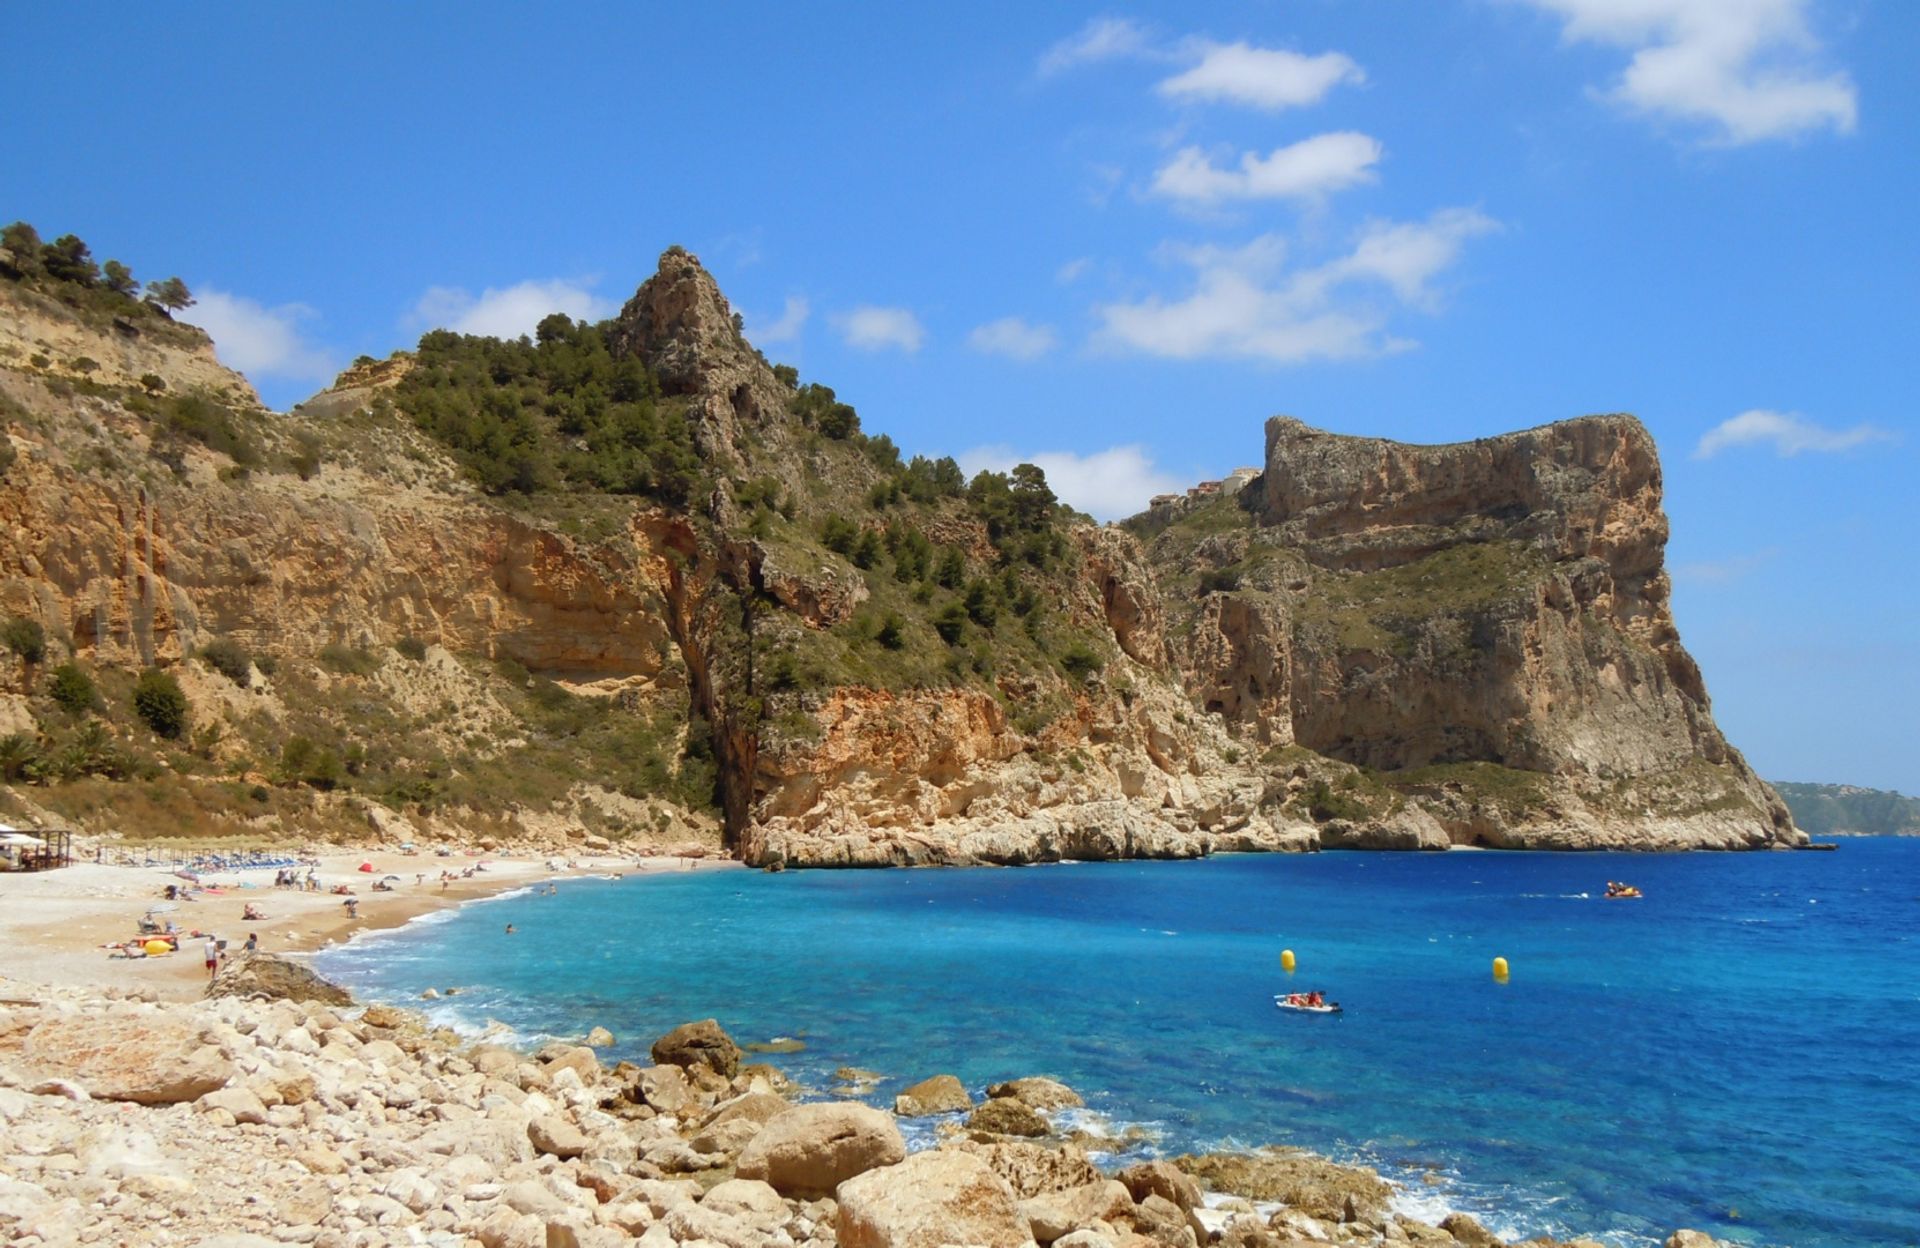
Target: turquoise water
<point x="1738" y="1052"/>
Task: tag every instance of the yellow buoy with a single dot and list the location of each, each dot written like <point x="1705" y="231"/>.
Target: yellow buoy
<point x="157" y="947"/>
<point x="1286" y="960"/>
<point x="1500" y="969"/>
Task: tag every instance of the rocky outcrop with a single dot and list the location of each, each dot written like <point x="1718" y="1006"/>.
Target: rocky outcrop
<point x="274" y="978"/>
<point x="1491" y="613"/>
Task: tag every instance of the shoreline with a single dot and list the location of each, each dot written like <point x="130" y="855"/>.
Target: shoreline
<point x="317" y="923"/>
<point x="56" y="924"/>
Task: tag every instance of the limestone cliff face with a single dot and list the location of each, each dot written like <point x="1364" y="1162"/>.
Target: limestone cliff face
<point x="1373" y="645"/>
<point x="1424" y="611"/>
<point x="859" y="776"/>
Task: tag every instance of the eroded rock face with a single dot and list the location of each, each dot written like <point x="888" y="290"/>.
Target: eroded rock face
<point x="1501" y="602"/>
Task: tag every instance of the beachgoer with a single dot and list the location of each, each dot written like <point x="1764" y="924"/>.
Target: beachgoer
<point x="353" y="908"/>
<point x="253" y="942"/>
<point x="509" y="929"/>
<point x="213" y="957"/>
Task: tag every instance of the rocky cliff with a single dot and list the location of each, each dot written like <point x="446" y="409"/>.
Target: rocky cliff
<point x="1481" y="628"/>
<point x="632" y="581"/>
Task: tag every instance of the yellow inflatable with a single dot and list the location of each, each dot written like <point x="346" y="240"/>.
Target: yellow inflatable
<point x="155" y="948"/>
<point x="1500" y="969"/>
<point x="1286" y="959"/>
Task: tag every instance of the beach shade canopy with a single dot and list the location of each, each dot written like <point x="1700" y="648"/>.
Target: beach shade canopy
<point x="9" y="837"/>
<point x="367" y="867"/>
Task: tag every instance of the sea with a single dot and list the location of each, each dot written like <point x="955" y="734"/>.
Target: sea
<point x="1738" y="1051"/>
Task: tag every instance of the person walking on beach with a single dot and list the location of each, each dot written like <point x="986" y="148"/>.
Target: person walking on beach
<point x="213" y="957"/>
<point x="353" y="908"/>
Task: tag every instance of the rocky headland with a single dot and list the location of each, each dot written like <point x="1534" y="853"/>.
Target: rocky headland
<point x="634" y="582"/>
<point x="276" y="1112"/>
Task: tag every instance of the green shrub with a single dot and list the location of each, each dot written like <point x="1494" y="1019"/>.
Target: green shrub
<point x="158" y="700"/>
<point x="73" y="689"/>
<point x="1081" y="662"/>
<point x="24" y="637"/>
<point x="891" y="632"/>
<point x="1324" y="803"/>
<point x="230" y="659"/>
<point x="412" y="648"/>
<point x="349" y="660"/>
<point x="951" y="623"/>
<point x="19" y="753"/>
<point x="152" y="383"/>
<point x="212" y="425"/>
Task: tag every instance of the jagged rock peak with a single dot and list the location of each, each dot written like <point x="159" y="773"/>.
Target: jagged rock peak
<point x="681" y="325"/>
<point x="1588" y="486"/>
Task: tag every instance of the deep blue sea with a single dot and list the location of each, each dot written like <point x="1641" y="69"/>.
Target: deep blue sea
<point x="1738" y="1052"/>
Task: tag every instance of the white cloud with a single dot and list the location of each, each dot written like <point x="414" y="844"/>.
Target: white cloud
<point x="1101" y="39"/>
<point x="1246" y="304"/>
<point x="871" y="328"/>
<point x="786" y="329"/>
<point x="1073" y="270"/>
<point x="1788" y="433"/>
<point x="1014" y="338"/>
<point x="510" y="311"/>
<point x="261" y="341"/>
<point x="1747" y="67"/>
<point x="1269" y="78"/>
<point x="1109" y="484"/>
<point x="1303" y="170"/>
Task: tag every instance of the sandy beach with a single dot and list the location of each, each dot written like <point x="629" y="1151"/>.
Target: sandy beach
<point x="55" y="925"/>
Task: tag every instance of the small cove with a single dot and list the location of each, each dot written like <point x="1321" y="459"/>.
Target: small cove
<point x="1733" y="1052"/>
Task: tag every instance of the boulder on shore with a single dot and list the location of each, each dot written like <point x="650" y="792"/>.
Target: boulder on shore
<point x="941" y="1094"/>
<point x="1045" y="1095"/>
<point x="933" y="1198"/>
<point x="1005" y="1116"/>
<point x="150" y="1059"/>
<point x="702" y="1043"/>
<point x="811" y="1149"/>
<point x="270" y="975"/>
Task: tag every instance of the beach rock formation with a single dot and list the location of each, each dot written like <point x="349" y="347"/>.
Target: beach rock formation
<point x="270" y="976"/>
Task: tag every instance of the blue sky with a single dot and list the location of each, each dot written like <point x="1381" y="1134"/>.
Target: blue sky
<point x="1115" y="239"/>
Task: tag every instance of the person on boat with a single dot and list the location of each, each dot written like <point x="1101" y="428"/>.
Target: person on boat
<point x="1314" y="999"/>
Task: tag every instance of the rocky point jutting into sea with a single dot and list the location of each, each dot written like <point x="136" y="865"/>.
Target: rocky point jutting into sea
<point x="633" y="581"/>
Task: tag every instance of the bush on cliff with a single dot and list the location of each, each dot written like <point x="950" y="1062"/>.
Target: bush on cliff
<point x="72" y="689"/>
<point x="230" y="659"/>
<point x="160" y="702"/>
<point x="25" y="638"/>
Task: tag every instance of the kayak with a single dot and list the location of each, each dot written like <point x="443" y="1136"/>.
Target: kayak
<point x="1285" y="1004"/>
<point x="1630" y="895"/>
